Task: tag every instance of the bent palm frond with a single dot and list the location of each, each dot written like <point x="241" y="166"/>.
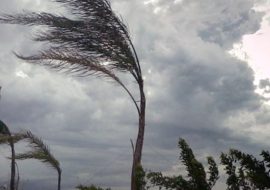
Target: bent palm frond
<point x="95" y="33"/>
<point x="40" y="151"/>
<point x="94" y="42"/>
<point x="6" y="136"/>
<point x="4" y="139"/>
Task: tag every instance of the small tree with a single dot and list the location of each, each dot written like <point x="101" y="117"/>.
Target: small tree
<point x="39" y="151"/>
<point x="197" y="178"/>
<point x="6" y="137"/>
<point x="92" y="187"/>
<point x="95" y="42"/>
<point x="245" y="171"/>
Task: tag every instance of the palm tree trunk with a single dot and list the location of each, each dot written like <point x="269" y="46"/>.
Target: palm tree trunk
<point x="59" y="180"/>
<point x="139" y="142"/>
<point x="7" y="132"/>
<point x="13" y="170"/>
<point x="18" y="176"/>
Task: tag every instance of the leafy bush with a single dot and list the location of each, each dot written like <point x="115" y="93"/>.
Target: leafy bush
<point x="196" y="178"/>
<point x="245" y="171"/>
<point x="92" y="187"/>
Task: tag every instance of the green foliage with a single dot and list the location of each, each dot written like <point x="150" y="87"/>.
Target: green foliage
<point x="3" y="128"/>
<point x="92" y="187"/>
<point x="230" y="168"/>
<point x="175" y="182"/>
<point x="245" y="171"/>
<point x="39" y="151"/>
<point x="213" y="172"/>
<point x="4" y="139"/>
<point x="140" y="178"/>
<point x="196" y="173"/>
<point x="196" y="178"/>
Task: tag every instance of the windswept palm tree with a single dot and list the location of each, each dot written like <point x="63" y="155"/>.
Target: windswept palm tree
<point x="6" y="137"/>
<point x="40" y="151"/>
<point x="93" y="42"/>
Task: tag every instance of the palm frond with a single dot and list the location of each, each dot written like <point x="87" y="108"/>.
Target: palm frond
<point x="97" y="33"/>
<point x="4" y="139"/>
<point x="40" y="151"/>
<point x="95" y="42"/>
<point x="38" y="155"/>
<point x="57" y="60"/>
<point x="41" y="19"/>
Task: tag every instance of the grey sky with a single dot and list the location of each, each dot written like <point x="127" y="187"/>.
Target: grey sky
<point x="195" y="90"/>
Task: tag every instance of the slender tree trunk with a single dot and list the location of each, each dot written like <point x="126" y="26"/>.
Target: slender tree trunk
<point x="18" y="176"/>
<point x="59" y="180"/>
<point x="13" y="169"/>
<point x="140" y="138"/>
<point x="13" y="162"/>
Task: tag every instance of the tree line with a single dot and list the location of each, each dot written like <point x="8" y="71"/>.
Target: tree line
<point x="243" y="171"/>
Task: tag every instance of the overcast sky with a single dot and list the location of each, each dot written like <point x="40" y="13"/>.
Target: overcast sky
<point x="195" y="89"/>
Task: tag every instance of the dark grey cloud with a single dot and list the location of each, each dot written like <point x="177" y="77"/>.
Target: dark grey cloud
<point x="195" y="90"/>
